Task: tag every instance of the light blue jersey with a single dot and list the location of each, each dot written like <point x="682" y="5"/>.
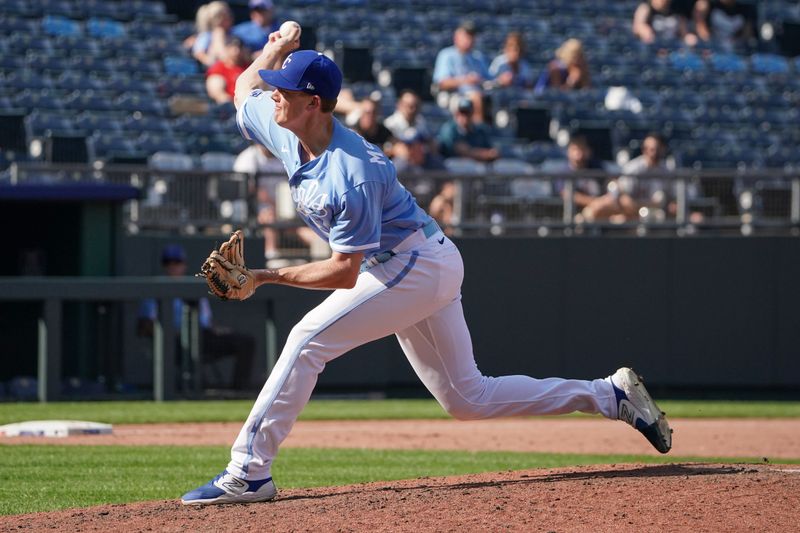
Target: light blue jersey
<point x="349" y="195"/>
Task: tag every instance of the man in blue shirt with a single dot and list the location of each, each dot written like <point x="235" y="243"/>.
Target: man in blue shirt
<point x="216" y="342"/>
<point x="461" y="70"/>
<point x="254" y="32"/>
<point x="393" y="271"/>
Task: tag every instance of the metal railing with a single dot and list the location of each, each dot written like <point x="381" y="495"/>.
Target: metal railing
<point x="683" y="201"/>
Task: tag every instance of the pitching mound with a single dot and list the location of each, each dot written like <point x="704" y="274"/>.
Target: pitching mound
<point x="678" y="497"/>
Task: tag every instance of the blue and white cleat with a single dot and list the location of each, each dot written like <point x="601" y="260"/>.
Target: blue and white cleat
<point x="226" y="488"/>
<point x="637" y="408"/>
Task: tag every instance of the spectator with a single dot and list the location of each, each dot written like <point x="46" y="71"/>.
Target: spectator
<point x="221" y="76"/>
<point x="216" y="342"/>
<point x="657" y="20"/>
<point x="370" y="126"/>
<point x="461" y="136"/>
<point x="727" y="22"/>
<point x="407" y="117"/>
<point x="568" y="70"/>
<point x="214" y="22"/>
<point x="442" y="206"/>
<point x="511" y="69"/>
<point x="255" y="32"/>
<point x="579" y="157"/>
<point x="256" y="160"/>
<point x="412" y="154"/>
<point x="628" y="195"/>
<point x="461" y="70"/>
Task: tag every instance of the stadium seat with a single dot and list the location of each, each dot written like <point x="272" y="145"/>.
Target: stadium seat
<point x="769" y="64"/>
<point x="150" y="142"/>
<point x="140" y="123"/>
<point x="135" y="102"/>
<point x="686" y="61"/>
<point x="463" y="165"/>
<point x="60" y="26"/>
<point x="511" y="166"/>
<point x="38" y="123"/>
<point x="180" y="66"/>
<point x="217" y="161"/>
<point x="120" y="11"/>
<point x="162" y="160"/>
<point x="728" y="63"/>
<point x="105" y="28"/>
<point x="97" y="122"/>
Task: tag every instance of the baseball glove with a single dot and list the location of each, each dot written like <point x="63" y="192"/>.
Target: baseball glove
<point x="225" y="272"/>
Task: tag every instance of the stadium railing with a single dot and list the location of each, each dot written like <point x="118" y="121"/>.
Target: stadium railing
<point x="529" y="203"/>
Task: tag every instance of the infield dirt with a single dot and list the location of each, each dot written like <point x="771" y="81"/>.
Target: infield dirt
<point x="672" y="497"/>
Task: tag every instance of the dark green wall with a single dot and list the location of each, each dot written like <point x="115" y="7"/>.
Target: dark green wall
<point x="697" y="312"/>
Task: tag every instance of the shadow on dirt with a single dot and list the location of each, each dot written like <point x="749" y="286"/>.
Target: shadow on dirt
<point x="643" y="471"/>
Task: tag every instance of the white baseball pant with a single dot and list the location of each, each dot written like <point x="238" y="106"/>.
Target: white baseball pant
<point x="415" y="295"/>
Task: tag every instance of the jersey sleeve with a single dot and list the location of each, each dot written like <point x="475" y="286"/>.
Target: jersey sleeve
<point x="254" y="119"/>
<point x="357" y="226"/>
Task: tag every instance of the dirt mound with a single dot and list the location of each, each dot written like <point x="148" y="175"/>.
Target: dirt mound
<point x="677" y="497"/>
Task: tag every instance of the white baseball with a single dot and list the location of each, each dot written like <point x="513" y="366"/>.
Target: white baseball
<point x="287" y="27"/>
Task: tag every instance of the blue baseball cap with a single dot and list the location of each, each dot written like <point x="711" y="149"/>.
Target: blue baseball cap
<point x="309" y="71"/>
<point x="173" y="253"/>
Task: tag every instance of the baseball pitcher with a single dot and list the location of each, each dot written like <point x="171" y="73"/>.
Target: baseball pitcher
<point x="392" y="270"/>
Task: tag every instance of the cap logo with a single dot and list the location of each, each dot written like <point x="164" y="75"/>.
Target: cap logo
<point x="310" y="87"/>
<point x="286" y="62"/>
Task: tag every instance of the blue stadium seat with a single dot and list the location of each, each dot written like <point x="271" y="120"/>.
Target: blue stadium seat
<point x="22" y="8"/>
<point x="105" y="28"/>
<point x="38" y="123"/>
<point x="149" y="10"/>
<point x="681" y="60"/>
<point x="38" y="99"/>
<point x="181" y="66"/>
<point x="150" y="143"/>
<point x="217" y="161"/>
<point x="135" y="66"/>
<point x="163" y="160"/>
<point x="769" y="64"/>
<point x="11" y="63"/>
<point x="112" y="10"/>
<point x="512" y="166"/>
<point x="196" y="125"/>
<point x="89" y="101"/>
<point x="141" y="123"/>
<point x="135" y="102"/>
<point x="99" y="122"/>
<point x="60" y="26"/>
<point x="463" y="165"/>
<point x="728" y="63"/>
<point x="22" y="79"/>
<point x="111" y="144"/>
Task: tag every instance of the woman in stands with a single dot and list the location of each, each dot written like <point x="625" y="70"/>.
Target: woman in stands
<point x="510" y="69"/>
<point x="214" y="22"/>
<point x="569" y="69"/>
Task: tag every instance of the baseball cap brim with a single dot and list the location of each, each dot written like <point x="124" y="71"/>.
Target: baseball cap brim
<point x="276" y="79"/>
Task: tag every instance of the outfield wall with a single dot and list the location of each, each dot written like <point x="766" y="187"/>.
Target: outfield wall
<point x="685" y="312"/>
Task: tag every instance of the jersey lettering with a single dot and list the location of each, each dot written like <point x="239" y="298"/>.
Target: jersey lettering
<point x="376" y="156"/>
<point x="310" y="201"/>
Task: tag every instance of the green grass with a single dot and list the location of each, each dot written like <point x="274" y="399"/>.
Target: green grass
<point x="42" y="478"/>
<point x="237" y="410"/>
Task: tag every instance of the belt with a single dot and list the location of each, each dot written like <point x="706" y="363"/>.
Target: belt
<point x="412" y="241"/>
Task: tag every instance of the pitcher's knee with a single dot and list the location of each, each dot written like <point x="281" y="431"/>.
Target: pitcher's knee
<point x="461" y="409"/>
